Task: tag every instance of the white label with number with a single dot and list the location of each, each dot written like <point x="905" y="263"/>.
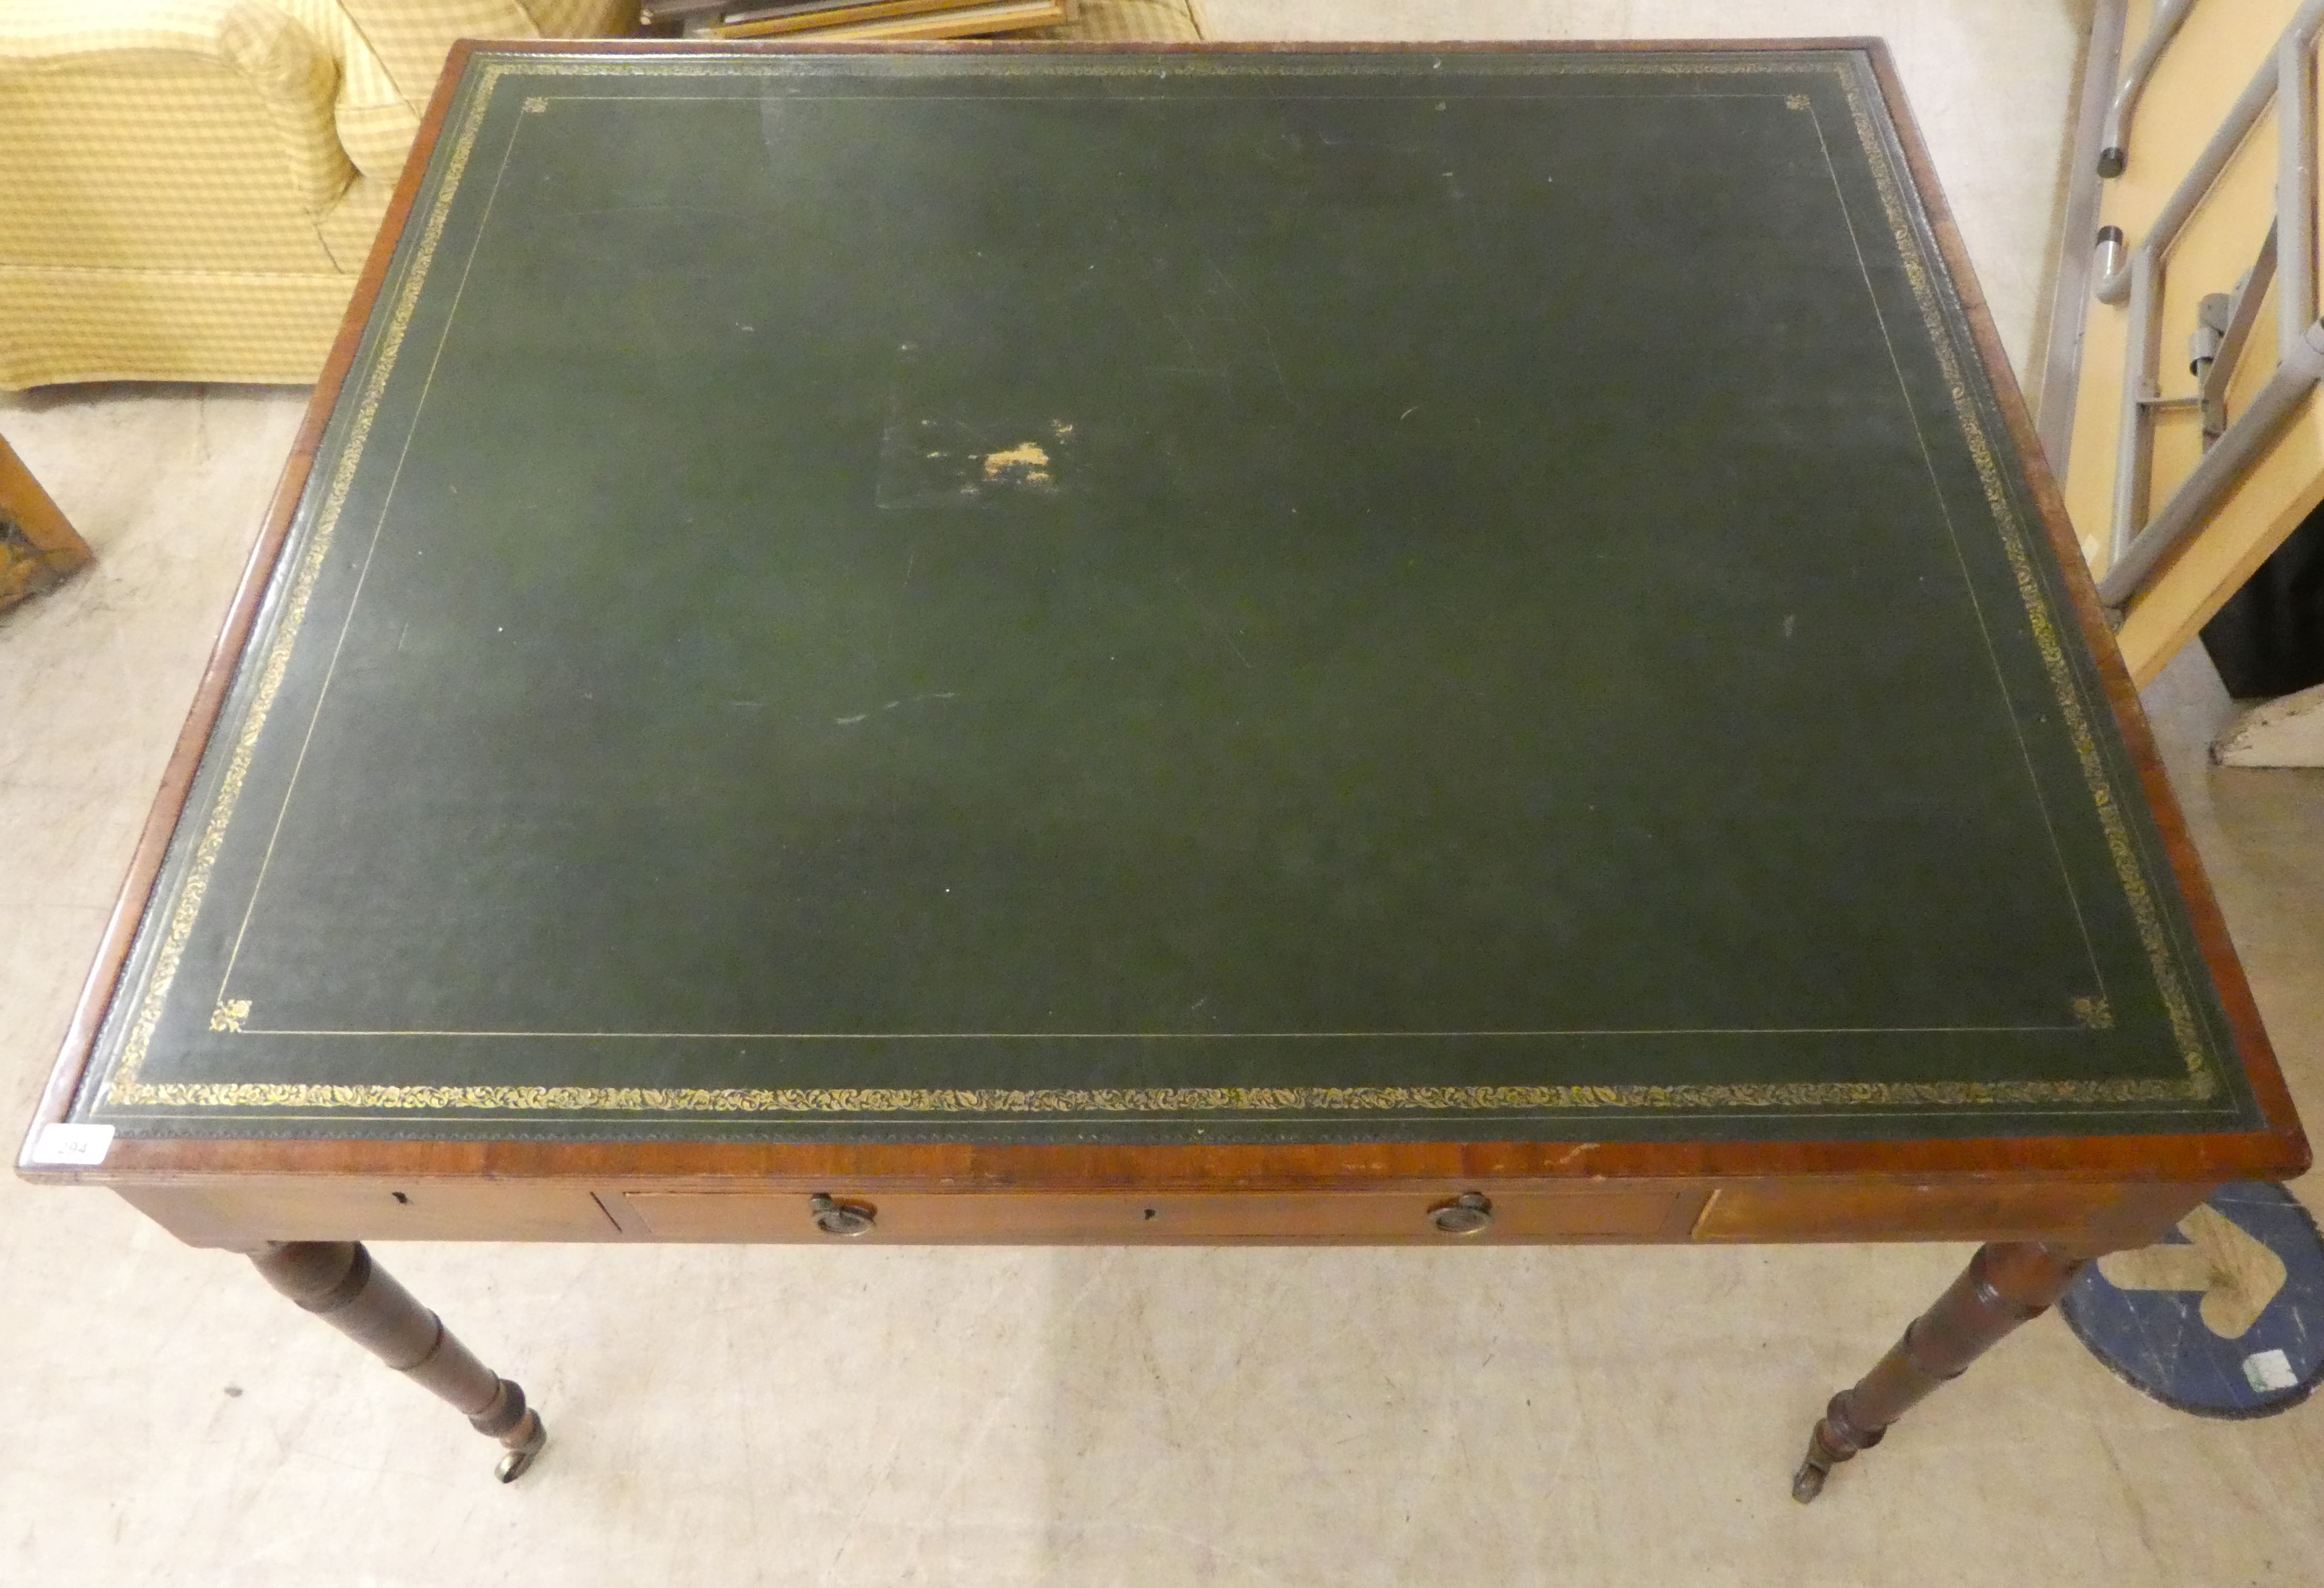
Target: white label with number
<point x="83" y="1144"/>
<point x="2270" y="1369"/>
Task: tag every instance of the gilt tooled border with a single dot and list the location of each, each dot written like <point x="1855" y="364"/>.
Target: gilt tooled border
<point x="125" y="1090"/>
<point x="1150" y="1100"/>
<point x="2202" y="1071"/>
<point x="123" y="1085"/>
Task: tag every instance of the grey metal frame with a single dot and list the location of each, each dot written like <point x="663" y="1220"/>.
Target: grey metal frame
<point x="2061" y="355"/>
<point x="2235" y="334"/>
<point x="2138" y="544"/>
<point x="2114" y="140"/>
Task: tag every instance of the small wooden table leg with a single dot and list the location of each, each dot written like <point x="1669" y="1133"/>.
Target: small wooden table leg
<point x="337" y="1282"/>
<point x="37" y="546"/>
<point x="2006" y="1284"/>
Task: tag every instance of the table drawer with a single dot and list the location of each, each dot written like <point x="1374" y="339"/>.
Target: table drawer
<point x="1879" y="1212"/>
<point x="1610" y="1213"/>
<point x="298" y="1209"/>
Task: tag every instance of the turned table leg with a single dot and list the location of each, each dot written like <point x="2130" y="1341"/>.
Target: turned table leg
<point x="2006" y="1284"/>
<point x="337" y="1282"/>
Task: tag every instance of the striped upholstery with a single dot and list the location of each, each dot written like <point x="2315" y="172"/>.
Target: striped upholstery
<point x="148" y="324"/>
<point x="410" y="36"/>
<point x="223" y="131"/>
<point x="191" y="186"/>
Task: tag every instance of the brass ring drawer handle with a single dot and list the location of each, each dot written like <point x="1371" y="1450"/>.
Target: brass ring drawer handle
<point x="834" y="1218"/>
<point x="1469" y="1214"/>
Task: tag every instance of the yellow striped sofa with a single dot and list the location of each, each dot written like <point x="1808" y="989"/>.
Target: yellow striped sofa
<point x="188" y="188"/>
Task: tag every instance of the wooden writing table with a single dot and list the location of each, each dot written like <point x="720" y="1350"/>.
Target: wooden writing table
<point x="1202" y="646"/>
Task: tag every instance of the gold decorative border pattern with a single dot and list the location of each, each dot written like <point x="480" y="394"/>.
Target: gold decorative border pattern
<point x="1326" y="62"/>
<point x="2202" y="1074"/>
<point x="123" y="1084"/>
<point x="1048" y="1100"/>
<point x="125" y="1090"/>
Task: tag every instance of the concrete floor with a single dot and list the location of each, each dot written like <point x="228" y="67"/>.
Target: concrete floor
<point x="794" y="1416"/>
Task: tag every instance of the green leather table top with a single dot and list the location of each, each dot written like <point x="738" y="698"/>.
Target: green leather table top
<point x="1052" y="597"/>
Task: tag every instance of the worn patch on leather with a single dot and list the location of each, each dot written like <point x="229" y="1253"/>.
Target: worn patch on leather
<point x="962" y="462"/>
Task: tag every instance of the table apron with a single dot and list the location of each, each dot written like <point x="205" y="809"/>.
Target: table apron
<point x="242" y="1211"/>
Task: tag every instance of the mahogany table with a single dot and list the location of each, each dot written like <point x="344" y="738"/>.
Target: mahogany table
<point x="991" y="643"/>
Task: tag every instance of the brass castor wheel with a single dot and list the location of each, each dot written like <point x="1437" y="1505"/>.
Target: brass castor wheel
<point x="1808" y="1482"/>
<point x="519" y="1458"/>
<point x="1828" y="1447"/>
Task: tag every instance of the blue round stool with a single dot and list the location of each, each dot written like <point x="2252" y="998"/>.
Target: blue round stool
<point x="2225" y="1318"/>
